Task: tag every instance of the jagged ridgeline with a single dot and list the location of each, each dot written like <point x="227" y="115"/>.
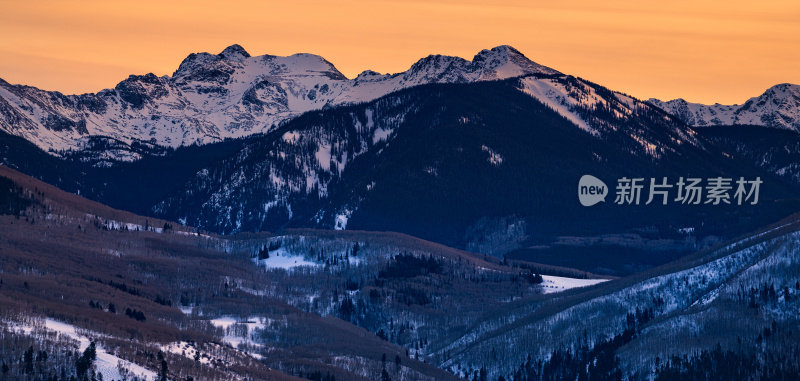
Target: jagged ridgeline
<point x="211" y="97"/>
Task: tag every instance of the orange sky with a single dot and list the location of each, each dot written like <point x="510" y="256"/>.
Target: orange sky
<point x="712" y="51"/>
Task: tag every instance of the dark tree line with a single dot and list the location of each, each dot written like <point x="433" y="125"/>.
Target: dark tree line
<point x="409" y="266"/>
<point x="719" y="364"/>
<point x="599" y="362"/>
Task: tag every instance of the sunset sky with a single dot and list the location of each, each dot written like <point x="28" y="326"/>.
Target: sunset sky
<point x="712" y="51"/>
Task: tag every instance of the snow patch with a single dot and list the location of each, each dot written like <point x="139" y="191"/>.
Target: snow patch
<point x="380" y="134"/>
<point x="554" y="95"/>
<point x="494" y="157"/>
<point x="340" y="222"/>
<point x="553" y="284"/>
<point x="241" y="332"/>
<point x="282" y="259"/>
<point x="323" y="156"/>
<point x="106" y="364"/>
<point x="291" y="137"/>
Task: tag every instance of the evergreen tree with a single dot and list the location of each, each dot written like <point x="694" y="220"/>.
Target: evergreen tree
<point x="163" y="372"/>
<point x="27" y="362"/>
<point x="84" y="363"/>
<point x="263" y="253"/>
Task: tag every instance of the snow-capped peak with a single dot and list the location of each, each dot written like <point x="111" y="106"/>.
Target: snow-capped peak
<point x="306" y="63"/>
<point x="504" y="62"/>
<point x="370" y="74"/>
<point x="500" y="62"/>
<point x="234" y="52"/>
<point x="439" y="68"/>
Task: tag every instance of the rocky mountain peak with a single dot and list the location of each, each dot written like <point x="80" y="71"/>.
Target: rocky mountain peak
<point x="234" y="52"/>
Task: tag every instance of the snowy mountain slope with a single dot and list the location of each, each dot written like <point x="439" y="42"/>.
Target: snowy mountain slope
<point x="722" y="295"/>
<point x="299" y="173"/>
<point x="778" y="107"/>
<point x="264" y="184"/>
<point x="451" y="162"/>
<point x="227" y="95"/>
<point x="110" y="366"/>
<point x="596" y="110"/>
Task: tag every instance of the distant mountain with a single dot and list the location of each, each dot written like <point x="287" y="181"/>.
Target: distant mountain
<point x="227" y="95"/>
<point x="778" y="107"/>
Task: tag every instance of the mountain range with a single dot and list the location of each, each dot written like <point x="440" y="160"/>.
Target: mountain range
<point x="211" y="97"/>
<point x="778" y="107"/>
<point x="480" y="155"/>
<point x="268" y="218"/>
